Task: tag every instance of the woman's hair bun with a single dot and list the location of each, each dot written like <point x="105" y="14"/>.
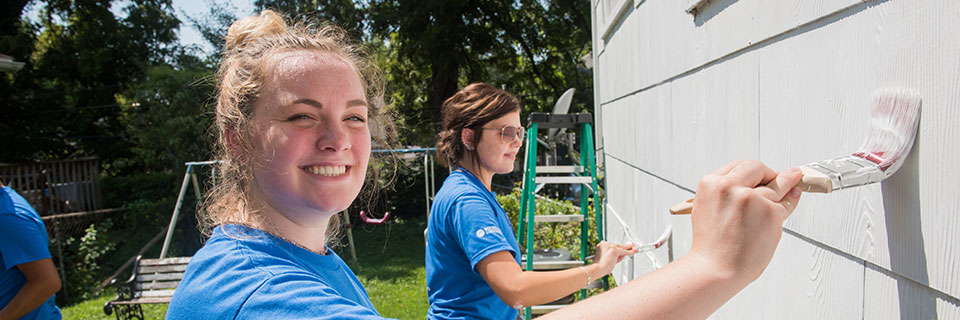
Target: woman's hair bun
<point x="268" y="23"/>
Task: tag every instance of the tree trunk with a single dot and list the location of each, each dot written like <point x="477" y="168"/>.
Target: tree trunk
<point x="444" y="86"/>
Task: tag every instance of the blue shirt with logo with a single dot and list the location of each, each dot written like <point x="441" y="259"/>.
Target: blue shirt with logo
<point x="466" y="225"/>
<point x="23" y="239"/>
<point x="245" y="273"/>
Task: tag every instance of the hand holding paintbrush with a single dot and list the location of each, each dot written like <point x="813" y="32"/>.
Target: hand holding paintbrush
<point x="894" y="118"/>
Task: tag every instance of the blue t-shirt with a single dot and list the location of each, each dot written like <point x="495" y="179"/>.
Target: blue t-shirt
<point x="245" y="273"/>
<point x="466" y="225"/>
<point x="23" y="238"/>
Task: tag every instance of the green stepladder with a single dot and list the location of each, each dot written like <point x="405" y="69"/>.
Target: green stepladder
<point x="535" y="176"/>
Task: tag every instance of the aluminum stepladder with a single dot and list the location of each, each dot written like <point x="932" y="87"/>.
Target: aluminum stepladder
<point x="585" y="174"/>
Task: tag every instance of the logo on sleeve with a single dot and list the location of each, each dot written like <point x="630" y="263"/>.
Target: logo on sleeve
<point x="487" y="230"/>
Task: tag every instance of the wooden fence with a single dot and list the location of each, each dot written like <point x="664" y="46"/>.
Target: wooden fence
<point x="56" y="187"/>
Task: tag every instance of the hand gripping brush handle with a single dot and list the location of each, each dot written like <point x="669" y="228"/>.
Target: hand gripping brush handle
<point x="894" y="118"/>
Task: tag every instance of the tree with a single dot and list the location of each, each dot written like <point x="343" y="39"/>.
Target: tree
<point x="531" y="48"/>
<point x="344" y="13"/>
<point x="79" y="56"/>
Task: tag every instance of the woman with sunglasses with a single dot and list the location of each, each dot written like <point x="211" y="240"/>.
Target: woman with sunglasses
<point x="473" y="260"/>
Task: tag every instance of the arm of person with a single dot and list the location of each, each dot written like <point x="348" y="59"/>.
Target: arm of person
<point x="518" y="288"/>
<point x="737" y="223"/>
<point x="42" y="282"/>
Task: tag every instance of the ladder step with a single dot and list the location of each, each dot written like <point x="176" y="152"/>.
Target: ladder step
<point x="546" y="308"/>
<point x="558" y="218"/>
<point x="561" y="180"/>
<point x="559" y="169"/>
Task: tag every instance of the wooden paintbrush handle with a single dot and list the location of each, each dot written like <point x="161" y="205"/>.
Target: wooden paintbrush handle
<point x="812" y="181"/>
<point x="685" y="207"/>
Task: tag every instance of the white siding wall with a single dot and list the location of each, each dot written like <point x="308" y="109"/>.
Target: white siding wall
<point x="788" y="82"/>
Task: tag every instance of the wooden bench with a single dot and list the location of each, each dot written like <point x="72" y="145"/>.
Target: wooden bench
<point x="153" y="281"/>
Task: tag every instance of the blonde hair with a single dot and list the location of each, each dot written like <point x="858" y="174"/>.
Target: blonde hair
<point x="251" y="43"/>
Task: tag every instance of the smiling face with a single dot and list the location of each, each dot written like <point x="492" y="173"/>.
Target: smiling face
<point x="494" y="155"/>
<point x="310" y="135"/>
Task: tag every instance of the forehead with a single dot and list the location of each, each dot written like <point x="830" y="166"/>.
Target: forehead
<point x="509" y="119"/>
<point x="301" y="73"/>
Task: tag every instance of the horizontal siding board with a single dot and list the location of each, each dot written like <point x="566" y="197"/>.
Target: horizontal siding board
<point x="815" y="105"/>
<point x="895" y="297"/>
<point x="788" y="82"/>
<point x="803" y="281"/>
<point x="690" y="127"/>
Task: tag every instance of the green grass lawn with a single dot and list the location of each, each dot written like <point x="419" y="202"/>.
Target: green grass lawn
<point x="391" y="269"/>
<point x="93" y="309"/>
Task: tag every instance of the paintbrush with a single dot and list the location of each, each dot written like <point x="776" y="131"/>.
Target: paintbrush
<point x="894" y="118"/>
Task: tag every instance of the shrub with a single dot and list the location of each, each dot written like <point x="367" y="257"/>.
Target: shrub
<point x="552" y="235"/>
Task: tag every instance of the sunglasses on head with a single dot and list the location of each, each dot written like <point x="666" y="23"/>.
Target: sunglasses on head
<point x="508" y="133"/>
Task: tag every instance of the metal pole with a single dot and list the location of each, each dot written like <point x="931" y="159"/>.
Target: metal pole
<point x="63" y="269"/>
<point x="353" y="250"/>
<point x="426" y="182"/>
<point x="433" y="180"/>
<point x="584" y="203"/>
<point x="196" y="186"/>
<point x="176" y="211"/>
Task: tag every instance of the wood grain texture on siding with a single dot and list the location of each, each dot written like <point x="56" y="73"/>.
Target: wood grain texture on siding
<point x="815" y="105"/>
<point x="671" y="43"/>
<point x="788" y="82"/>
<point x="896" y="297"/>
<point x="689" y="127"/>
<point x="803" y="281"/>
<point x="619" y="62"/>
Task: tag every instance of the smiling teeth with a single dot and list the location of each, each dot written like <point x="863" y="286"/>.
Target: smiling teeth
<point x="327" y="171"/>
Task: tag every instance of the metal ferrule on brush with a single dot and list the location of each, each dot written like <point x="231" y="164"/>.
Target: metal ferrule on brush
<point x="847" y="172"/>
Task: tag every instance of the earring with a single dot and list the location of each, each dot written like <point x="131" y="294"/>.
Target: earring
<point x="468" y="146"/>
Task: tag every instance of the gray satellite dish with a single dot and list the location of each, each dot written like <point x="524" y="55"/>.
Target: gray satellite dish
<point x="562" y="106"/>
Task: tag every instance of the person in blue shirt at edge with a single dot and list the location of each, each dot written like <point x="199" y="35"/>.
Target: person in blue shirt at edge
<point x="296" y="111"/>
<point x="28" y="280"/>
<point x="473" y="260"/>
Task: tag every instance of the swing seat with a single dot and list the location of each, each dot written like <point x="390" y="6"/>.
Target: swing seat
<point x="366" y="219"/>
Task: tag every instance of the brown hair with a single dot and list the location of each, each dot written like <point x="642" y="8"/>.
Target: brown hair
<point x="251" y="43"/>
<point x="470" y="108"/>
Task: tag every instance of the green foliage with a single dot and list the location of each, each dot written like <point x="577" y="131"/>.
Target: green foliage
<point x="552" y="235"/>
<point x="531" y="48"/>
<point x="94" y="246"/>
<point x="167" y="118"/>
<point x="77" y="58"/>
<point x="347" y="14"/>
<point x="82" y="260"/>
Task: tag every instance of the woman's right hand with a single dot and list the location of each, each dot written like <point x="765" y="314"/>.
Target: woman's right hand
<point x="738" y="215"/>
<point x="737" y="218"/>
<point x="608" y="254"/>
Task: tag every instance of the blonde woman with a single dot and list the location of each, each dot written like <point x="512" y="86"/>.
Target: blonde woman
<point x="294" y="111"/>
